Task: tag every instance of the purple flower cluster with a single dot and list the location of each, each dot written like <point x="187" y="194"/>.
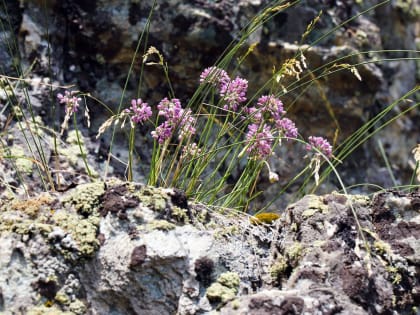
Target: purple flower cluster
<point x="260" y="140"/>
<point x="268" y="113"/>
<point x="139" y="111"/>
<point x="271" y="105"/>
<point x="175" y="116"/>
<point x="233" y="92"/>
<point x="216" y="76"/>
<point x="287" y="127"/>
<point x="70" y="100"/>
<point x="320" y="144"/>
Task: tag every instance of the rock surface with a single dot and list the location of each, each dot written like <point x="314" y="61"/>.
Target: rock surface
<point x="126" y="248"/>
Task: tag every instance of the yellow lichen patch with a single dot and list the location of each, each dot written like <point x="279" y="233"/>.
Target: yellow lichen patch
<point x="32" y="206"/>
<point x="265" y="217"/>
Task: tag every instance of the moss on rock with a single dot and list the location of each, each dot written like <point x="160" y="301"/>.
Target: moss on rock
<point x="82" y="230"/>
<point x="162" y="225"/>
<point x="225" y="288"/>
<point x="86" y="197"/>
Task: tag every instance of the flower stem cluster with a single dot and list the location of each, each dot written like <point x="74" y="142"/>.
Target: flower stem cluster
<point x="139" y="111"/>
<point x="233" y="92"/>
<point x="175" y="117"/>
<point x="267" y="117"/>
<point x="70" y="100"/>
<point x="268" y="123"/>
<point x="319" y="144"/>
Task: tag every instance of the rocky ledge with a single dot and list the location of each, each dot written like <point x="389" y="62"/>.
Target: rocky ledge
<point x="126" y="248"/>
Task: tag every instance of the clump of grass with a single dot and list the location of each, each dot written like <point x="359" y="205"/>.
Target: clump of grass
<point x="217" y="145"/>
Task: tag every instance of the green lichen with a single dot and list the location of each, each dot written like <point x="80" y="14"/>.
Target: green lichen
<point x="225" y="288"/>
<point x="26" y="227"/>
<point x="82" y="230"/>
<point x="86" y="197"/>
<point x="47" y="310"/>
<point x="77" y="307"/>
<point x="23" y="163"/>
<point x="316" y="203"/>
<point x="226" y="231"/>
<point x="278" y="268"/>
<point x="153" y="198"/>
<point x="294" y="253"/>
<point x="219" y="293"/>
<point x="409" y="8"/>
<point x="162" y="225"/>
<point x="309" y="213"/>
<point x="229" y="279"/>
<point x="180" y="214"/>
<point x="360" y="200"/>
<point x="62" y="298"/>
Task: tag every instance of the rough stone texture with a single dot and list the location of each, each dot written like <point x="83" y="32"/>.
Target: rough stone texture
<point x="310" y="261"/>
<point x="92" y="44"/>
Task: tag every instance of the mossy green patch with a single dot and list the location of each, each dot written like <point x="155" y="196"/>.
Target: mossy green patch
<point x="77" y="307"/>
<point x="86" y="197"/>
<point x="47" y="310"/>
<point x="23" y="163"/>
<point x="316" y="203"/>
<point x="162" y="225"/>
<point x="294" y="253"/>
<point x="180" y="214"/>
<point x="153" y="198"/>
<point x="219" y="293"/>
<point x="278" y="268"/>
<point x="229" y="279"/>
<point x="225" y="288"/>
<point x="82" y="230"/>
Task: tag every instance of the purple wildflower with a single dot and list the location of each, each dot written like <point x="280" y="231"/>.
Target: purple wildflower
<point x="272" y="105"/>
<point x="162" y="132"/>
<point x="254" y="114"/>
<point x="140" y="111"/>
<point x="261" y="140"/>
<point x="176" y="117"/>
<point x="71" y="101"/>
<point x="234" y="93"/>
<point x="171" y="110"/>
<point x="287" y="127"/>
<point x="215" y="76"/>
<point x="186" y="125"/>
<point x="320" y="144"/>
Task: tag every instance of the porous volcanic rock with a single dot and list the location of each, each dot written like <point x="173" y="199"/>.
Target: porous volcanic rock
<point x="127" y="248"/>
